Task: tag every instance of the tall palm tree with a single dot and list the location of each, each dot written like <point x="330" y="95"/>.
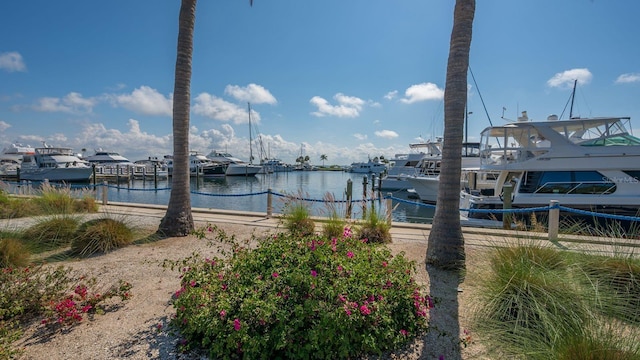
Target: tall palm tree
<point x="323" y="157"/>
<point x="178" y="221"/>
<point x="446" y="243"/>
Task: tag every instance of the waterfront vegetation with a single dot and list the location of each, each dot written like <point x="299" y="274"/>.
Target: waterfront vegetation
<point x="333" y="292"/>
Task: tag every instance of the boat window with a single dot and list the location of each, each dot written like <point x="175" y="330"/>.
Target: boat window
<point x="567" y="182"/>
<point x="634" y="175"/>
<point x="616" y="140"/>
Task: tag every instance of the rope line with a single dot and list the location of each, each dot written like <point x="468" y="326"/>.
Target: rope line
<point x="400" y="200"/>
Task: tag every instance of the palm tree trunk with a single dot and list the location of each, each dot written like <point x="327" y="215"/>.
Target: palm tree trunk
<point x="446" y="242"/>
<point x="178" y="221"/>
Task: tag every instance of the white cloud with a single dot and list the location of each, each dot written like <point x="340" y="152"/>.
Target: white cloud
<point x="72" y="103"/>
<point x="628" y="78"/>
<point x="147" y="101"/>
<point x="360" y="136"/>
<point x="348" y="106"/>
<point x="252" y="93"/>
<point x="391" y="95"/>
<point x="218" y="109"/>
<point x="4" y="126"/>
<point x="387" y="134"/>
<point x="566" y="78"/>
<point x="12" y="62"/>
<point x="422" y="92"/>
<point x="134" y="143"/>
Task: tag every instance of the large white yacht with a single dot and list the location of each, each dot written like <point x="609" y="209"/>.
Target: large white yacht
<point x="590" y="164"/>
<point x="54" y="164"/>
<point x="426" y="180"/>
<point x="406" y="164"/>
<point x="11" y="157"/>
<point x="235" y="166"/>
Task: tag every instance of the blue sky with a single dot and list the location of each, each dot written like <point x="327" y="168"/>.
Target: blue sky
<point x="347" y="79"/>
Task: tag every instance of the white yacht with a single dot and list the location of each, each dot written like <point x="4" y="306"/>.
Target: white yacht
<point x="235" y="166"/>
<point x="11" y="157"/>
<point x="150" y="168"/>
<point x="54" y="164"/>
<point x="374" y="166"/>
<point x="404" y="165"/>
<point x="199" y="165"/>
<point x="426" y="179"/>
<point x="101" y="157"/>
<point x="589" y="164"/>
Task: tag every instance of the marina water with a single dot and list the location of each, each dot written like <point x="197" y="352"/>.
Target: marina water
<point x="234" y="193"/>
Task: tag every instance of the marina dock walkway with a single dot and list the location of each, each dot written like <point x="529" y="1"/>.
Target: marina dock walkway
<point x="400" y="231"/>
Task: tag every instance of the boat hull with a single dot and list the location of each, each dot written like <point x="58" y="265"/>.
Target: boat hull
<point x="242" y="170"/>
<point x="56" y="174"/>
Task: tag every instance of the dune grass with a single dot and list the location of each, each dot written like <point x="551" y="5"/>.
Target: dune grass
<point x="539" y="302"/>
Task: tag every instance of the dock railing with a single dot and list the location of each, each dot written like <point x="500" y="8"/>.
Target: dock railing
<point x="553" y="210"/>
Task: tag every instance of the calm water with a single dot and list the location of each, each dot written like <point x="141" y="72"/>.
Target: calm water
<point x="307" y="184"/>
<point x="234" y="193"/>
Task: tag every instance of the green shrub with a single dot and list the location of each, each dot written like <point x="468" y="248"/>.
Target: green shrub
<point x="13" y="253"/>
<point x="617" y="282"/>
<point x="297" y="219"/>
<point x="528" y="303"/>
<point x="101" y="236"/>
<point x="51" y="233"/>
<point x="299" y="297"/>
<point x="335" y="223"/>
<point x="374" y="228"/>
<point x="542" y="303"/>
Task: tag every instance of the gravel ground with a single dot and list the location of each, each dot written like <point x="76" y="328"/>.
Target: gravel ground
<point x="131" y="330"/>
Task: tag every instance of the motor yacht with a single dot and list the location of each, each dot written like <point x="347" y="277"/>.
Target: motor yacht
<point x="235" y="166"/>
<point x="590" y="164"/>
<point x="54" y="164"/>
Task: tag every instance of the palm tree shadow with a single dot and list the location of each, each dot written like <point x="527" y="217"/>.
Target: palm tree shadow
<point x="442" y="340"/>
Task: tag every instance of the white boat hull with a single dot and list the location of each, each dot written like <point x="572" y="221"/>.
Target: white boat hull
<point x="56" y="174"/>
<point x="242" y="170"/>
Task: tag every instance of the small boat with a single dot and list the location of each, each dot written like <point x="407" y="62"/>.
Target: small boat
<point x="54" y="164"/>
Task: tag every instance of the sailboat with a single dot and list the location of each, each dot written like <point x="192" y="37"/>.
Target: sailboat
<point x="235" y="166"/>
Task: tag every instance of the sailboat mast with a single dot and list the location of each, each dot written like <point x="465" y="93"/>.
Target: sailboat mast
<point x="250" y="139"/>
<point x="573" y="96"/>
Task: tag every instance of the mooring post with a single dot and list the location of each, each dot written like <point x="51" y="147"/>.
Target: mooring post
<point x="554" y="219"/>
<point x="105" y="188"/>
<point x="365" y="181"/>
<point x="389" y="208"/>
<point x="269" y="203"/>
<point x="349" y="194"/>
<point x="507" y="190"/>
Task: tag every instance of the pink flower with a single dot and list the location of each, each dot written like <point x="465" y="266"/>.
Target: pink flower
<point x="342" y="298"/>
<point x="236" y="324"/>
<point x="350" y="254"/>
<point x="364" y="310"/>
<point x="340" y="268"/>
<point x="314" y="273"/>
<point x="347" y="311"/>
<point x="384" y="264"/>
<point x="404" y="332"/>
<point x="223" y="313"/>
<point x="192" y="283"/>
<point x="275" y="274"/>
<point x="347" y="232"/>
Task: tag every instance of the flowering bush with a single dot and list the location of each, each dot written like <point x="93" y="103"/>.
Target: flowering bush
<point x="299" y="297"/>
<point x="31" y="293"/>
